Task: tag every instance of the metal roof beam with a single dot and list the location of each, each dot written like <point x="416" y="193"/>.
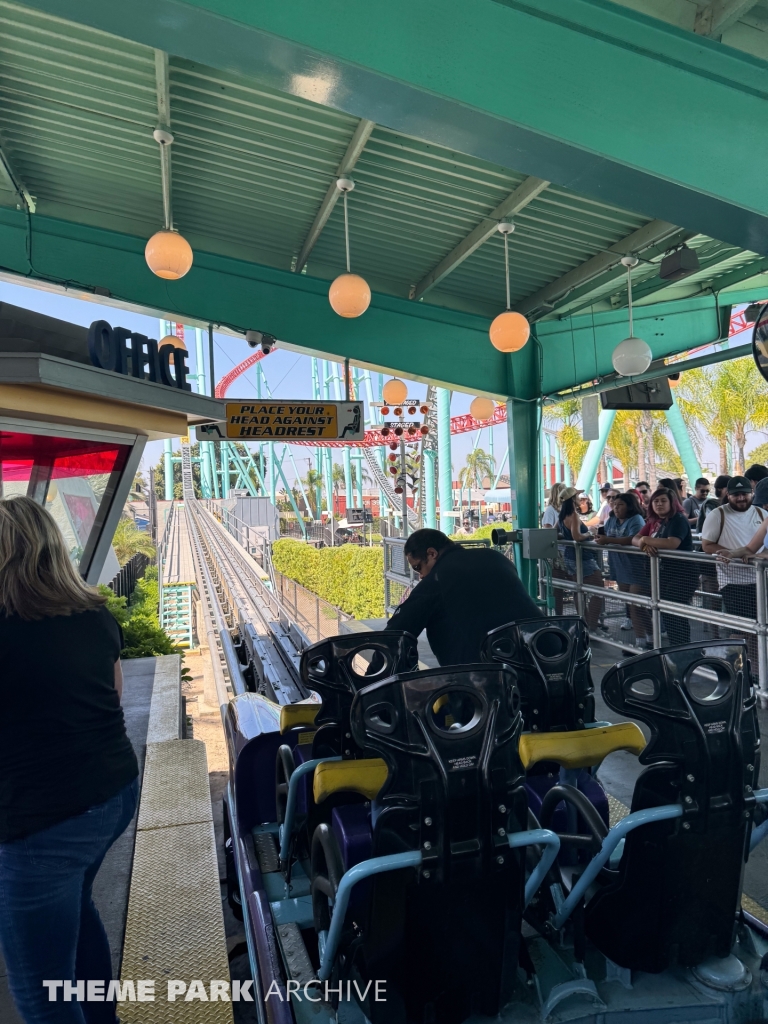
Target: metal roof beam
<point x="353" y="153"/>
<point x="524" y="194"/>
<point x="720" y="15"/>
<point x="649" y="235"/>
<point x="10" y="179"/>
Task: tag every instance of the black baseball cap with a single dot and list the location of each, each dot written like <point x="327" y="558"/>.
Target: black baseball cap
<point x="739" y="485"/>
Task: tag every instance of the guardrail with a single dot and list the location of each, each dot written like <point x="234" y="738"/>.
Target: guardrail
<point x="124" y="583"/>
<point x="674" y="597"/>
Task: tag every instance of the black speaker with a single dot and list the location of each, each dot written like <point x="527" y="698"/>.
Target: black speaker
<point x="648" y="394"/>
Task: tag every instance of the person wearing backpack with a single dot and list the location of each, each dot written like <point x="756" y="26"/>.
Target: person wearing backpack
<point x="726" y="532"/>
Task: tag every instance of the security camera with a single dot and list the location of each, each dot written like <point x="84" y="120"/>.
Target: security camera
<point x="256" y="338"/>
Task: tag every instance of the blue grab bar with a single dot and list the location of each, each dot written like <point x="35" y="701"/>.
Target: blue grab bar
<point x="619" y="831"/>
<point x="329" y="941"/>
<point x="759" y="833"/>
<point x="536" y="837"/>
<point x="358" y="873"/>
<point x="286" y="829"/>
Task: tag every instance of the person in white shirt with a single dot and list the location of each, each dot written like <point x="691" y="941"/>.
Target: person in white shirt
<point x="726" y="532"/>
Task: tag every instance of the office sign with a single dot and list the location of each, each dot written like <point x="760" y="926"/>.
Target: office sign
<point x="135" y="355"/>
<point x="287" y="420"/>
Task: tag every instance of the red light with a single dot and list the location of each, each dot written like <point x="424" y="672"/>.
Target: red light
<point x="393" y="458"/>
<point x="425" y="430"/>
<point x="393" y="446"/>
<point x="398" y="490"/>
<point x="398" y="412"/>
<point x="385" y="410"/>
<point x="398" y="431"/>
<point x="424" y="409"/>
<point x="411" y="430"/>
<point x="385" y="431"/>
<point x="412" y="411"/>
<point x="393" y="469"/>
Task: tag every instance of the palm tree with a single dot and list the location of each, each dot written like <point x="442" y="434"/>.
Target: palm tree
<point x="313" y="483"/>
<point x="478" y="466"/>
<point x="640" y="442"/>
<point x="727" y="401"/>
<point x="567" y="415"/>
<point x="129" y="540"/>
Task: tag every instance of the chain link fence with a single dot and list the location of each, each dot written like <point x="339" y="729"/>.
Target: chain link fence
<point x="636" y="602"/>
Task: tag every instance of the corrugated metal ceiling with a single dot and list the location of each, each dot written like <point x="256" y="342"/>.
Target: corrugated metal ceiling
<point x="251" y="167"/>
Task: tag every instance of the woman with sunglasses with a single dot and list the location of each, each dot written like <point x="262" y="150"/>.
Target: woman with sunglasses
<point x="667" y="529"/>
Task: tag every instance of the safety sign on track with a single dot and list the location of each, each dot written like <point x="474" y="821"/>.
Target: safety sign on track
<point x="287" y="420"/>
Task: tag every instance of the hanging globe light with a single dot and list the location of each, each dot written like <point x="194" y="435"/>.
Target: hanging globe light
<point x="349" y="295"/>
<point x="482" y="408"/>
<point x="171" y="339"/>
<point x="395" y="391"/>
<point x="631" y="356"/>
<point x="168" y="255"/>
<point x="509" y="331"/>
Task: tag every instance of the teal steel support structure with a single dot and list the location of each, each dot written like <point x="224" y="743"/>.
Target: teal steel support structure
<point x="588" y="471"/>
<point x="445" y="469"/>
<point x="168" y="464"/>
<point x="682" y="440"/>
<point x="430" y="504"/>
<point x="524" y="476"/>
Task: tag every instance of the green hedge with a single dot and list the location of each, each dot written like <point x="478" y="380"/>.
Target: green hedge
<point x="142" y="633"/>
<point x="350" y="577"/>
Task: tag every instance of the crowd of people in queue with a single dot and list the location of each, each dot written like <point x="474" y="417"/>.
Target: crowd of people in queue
<point x="730" y="523"/>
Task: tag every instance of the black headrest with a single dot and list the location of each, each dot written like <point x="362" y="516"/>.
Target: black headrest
<point x="450" y="738"/>
<point x="700" y="706"/>
<point x="551" y="658"/>
<point x="347" y="662"/>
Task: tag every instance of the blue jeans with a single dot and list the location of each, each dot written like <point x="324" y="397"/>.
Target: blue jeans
<point x="49" y="927"/>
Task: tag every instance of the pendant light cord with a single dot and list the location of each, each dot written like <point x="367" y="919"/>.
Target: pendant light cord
<point x="346" y="230"/>
<point x="506" y="265"/>
<point x="629" y="299"/>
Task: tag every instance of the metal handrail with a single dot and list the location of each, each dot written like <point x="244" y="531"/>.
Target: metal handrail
<point x="659" y="605"/>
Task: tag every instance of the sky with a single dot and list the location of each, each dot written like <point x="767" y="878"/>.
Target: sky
<point x="288" y="374"/>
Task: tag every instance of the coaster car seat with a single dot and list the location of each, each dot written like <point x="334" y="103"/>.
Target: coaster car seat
<point x="335" y="668"/>
<point x="551" y="658"/>
<point x="444" y="935"/>
<point x="678" y="891"/>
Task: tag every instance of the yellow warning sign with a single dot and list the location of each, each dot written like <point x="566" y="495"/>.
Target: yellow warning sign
<point x="287" y="421"/>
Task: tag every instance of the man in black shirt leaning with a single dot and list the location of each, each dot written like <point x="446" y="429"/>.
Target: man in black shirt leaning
<point x="463" y="594"/>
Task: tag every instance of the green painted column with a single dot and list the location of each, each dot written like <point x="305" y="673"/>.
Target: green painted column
<point x="588" y="470"/>
<point x="524" y="472"/>
<point x="445" y="470"/>
<point x="430" y="505"/>
<point x="683" y="443"/>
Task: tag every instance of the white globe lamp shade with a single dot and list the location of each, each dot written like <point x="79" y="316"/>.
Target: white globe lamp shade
<point x="395" y="391"/>
<point x="631" y="357"/>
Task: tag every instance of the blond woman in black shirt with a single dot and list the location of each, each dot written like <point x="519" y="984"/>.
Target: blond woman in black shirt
<point x="68" y="773"/>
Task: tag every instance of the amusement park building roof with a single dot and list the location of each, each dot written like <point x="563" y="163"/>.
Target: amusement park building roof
<point x="251" y="166"/>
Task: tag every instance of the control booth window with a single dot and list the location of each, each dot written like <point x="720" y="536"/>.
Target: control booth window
<point x="74" y="479"/>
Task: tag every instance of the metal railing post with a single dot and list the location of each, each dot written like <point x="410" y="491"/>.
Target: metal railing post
<point x="655" y="613"/>
<point x="580" y="599"/>
<point x="762" y="630"/>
